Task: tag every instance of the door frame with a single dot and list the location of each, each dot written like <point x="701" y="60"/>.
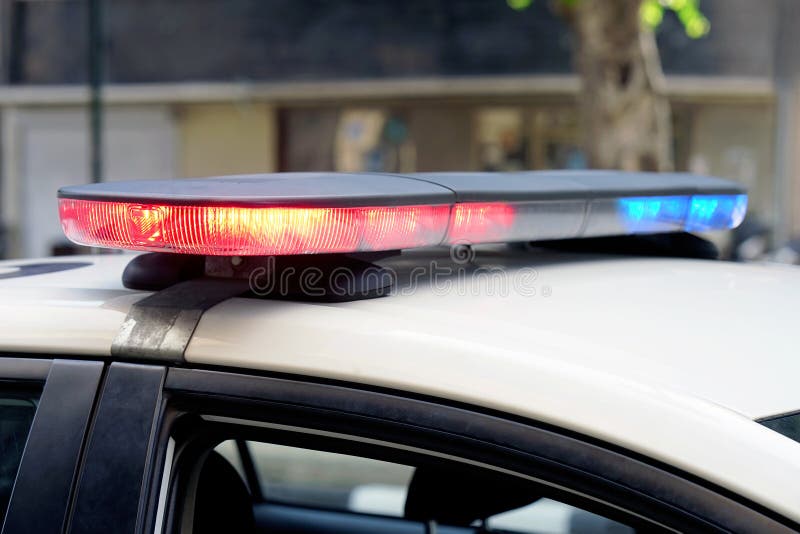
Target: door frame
<point x="40" y="499"/>
<point x="620" y="478"/>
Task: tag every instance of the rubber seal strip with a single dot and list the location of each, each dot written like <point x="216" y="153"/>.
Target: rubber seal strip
<point x="159" y="327"/>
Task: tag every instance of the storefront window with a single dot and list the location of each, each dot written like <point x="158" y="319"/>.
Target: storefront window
<point x="555" y="139"/>
<point x="501" y="139"/>
<point x="373" y="140"/>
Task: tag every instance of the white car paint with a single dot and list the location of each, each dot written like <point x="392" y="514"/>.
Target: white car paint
<point x="670" y="358"/>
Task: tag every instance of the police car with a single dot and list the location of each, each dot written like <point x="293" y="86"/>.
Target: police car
<point x="375" y="353"/>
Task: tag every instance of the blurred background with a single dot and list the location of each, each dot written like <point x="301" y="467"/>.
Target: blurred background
<point x="165" y="88"/>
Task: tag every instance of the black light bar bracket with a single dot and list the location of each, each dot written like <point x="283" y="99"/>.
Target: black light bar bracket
<point x="311" y="277"/>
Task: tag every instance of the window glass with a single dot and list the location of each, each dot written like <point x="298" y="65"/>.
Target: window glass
<point x="546" y="516"/>
<point x="16" y="415"/>
<point x="500" y="139"/>
<point x="788" y="425"/>
<point x="230" y="452"/>
<point x="330" y="481"/>
<point x="373" y="140"/>
<point x="555" y="139"/>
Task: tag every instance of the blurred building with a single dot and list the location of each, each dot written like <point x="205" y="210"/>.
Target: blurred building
<point x="203" y="87"/>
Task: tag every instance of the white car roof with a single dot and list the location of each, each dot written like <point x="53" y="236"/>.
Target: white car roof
<point x="672" y="358"/>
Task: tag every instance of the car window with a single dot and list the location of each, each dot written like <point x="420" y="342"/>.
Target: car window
<point x="326" y="479"/>
<point x="788" y="425"/>
<point x="16" y="415"/>
<point x="315" y="479"/>
<point x="546" y="516"/>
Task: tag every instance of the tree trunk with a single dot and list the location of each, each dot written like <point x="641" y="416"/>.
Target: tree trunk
<point x="625" y="114"/>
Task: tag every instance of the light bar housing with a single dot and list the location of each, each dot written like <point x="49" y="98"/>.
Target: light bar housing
<point x="313" y="213"/>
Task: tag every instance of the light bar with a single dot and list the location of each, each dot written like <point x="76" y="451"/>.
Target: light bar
<point x="244" y="231"/>
<point x="288" y="214"/>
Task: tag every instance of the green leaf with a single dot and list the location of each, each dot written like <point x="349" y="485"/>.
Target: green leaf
<point x="519" y="5"/>
<point x="697" y="27"/>
<point x="652" y="13"/>
<point x="688" y="12"/>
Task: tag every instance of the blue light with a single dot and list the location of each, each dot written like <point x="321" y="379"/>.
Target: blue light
<point x="653" y="214"/>
<point x="690" y="213"/>
<point x="716" y="212"/>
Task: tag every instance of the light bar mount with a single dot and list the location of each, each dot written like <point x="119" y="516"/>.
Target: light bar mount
<point x="308" y="277"/>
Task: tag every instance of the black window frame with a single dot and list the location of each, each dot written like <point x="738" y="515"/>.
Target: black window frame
<point x="42" y="492"/>
<point x="110" y="494"/>
<point x="352" y="446"/>
<point x="621" y="478"/>
<point x="25" y="378"/>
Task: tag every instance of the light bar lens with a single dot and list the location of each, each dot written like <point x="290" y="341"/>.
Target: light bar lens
<point x="263" y="231"/>
<point x="654" y="214"/>
<point x="481" y="222"/>
<point x="248" y="231"/>
<point x="709" y="212"/>
<point x="695" y="213"/>
<point x="519" y="221"/>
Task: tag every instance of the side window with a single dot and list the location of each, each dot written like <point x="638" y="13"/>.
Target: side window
<point x="547" y="515"/>
<point x="246" y="453"/>
<point x="17" y="408"/>
<point x="326" y="480"/>
<point x="264" y="486"/>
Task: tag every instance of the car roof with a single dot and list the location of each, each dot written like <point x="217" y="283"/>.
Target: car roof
<point x="715" y="330"/>
<point x="692" y="350"/>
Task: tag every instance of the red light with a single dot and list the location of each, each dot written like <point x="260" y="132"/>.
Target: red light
<point x="249" y="231"/>
<point x="480" y="222"/>
<point x="144" y="224"/>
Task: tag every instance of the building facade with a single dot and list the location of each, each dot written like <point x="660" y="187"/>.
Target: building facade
<point x="206" y="88"/>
